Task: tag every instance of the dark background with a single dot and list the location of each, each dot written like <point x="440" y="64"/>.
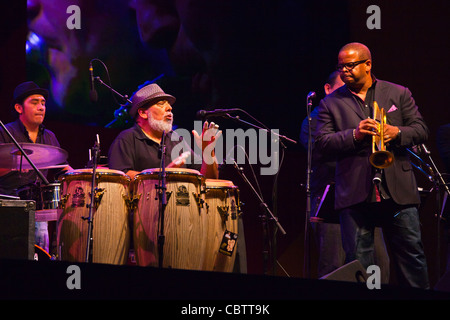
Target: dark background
<point x="289" y="53"/>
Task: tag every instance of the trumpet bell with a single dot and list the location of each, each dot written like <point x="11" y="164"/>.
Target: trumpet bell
<point x="381" y="159"/>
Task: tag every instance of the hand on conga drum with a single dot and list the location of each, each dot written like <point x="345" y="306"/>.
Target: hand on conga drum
<point x="179" y="161"/>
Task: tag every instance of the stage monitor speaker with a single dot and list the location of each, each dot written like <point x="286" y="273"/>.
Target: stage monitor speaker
<point x="351" y="272"/>
<point x="17" y="228"/>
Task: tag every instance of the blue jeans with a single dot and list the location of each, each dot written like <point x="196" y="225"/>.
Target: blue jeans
<point x="41" y="235"/>
<point x="401" y="230"/>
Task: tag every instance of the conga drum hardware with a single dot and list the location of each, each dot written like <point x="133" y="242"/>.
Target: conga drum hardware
<point x="131" y="202"/>
<point x="198" y="199"/>
<point x="168" y="194"/>
<point x="223" y="212"/>
<point x="98" y="195"/>
<point x="221" y="186"/>
<point x="63" y="200"/>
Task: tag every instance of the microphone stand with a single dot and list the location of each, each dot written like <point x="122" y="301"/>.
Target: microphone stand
<point x="119" y="111"/>
<point x="428" y="175"/>
<point x="434" y="170"/>
<point x="162" y="200"/>
<point x="238" y="119"/>
<point x="264" y="219"/>
<point x="38" y="172"/>
<point x="306" y="244"/>
<point x="89" y="242"/>
<point x="263" y="205"/>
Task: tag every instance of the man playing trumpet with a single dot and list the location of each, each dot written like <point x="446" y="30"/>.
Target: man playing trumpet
<point x="367" y="195"/>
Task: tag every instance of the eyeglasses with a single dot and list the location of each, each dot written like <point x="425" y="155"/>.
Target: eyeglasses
<point x="349" y="65"/>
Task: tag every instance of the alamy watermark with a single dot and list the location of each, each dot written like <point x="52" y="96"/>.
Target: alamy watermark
<point x="374" y="20"/>
<point x="263" y="147"/>
<point x="73" y="281"/>
<point x="74" y="20"/>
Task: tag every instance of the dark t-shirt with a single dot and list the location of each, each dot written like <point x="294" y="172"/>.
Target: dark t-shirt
<point x="133" y="150"/>
<point x="16" y="179"/>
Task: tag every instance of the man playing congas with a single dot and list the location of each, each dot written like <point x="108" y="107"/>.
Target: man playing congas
<point x="138" y="148"/>
<point x="137" y="152"/>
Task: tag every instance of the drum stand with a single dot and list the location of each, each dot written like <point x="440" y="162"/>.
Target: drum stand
<point x="162" y="199"/>
<point x="89" y="219"/>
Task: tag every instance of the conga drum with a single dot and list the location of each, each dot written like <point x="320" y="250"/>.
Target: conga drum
<point x="222" y="203"/>
<point x="184" y="219"/>
<point x="110" y="232"/>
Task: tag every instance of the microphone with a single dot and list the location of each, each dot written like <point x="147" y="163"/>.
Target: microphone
<point x="311" y="95"/>
<point x="377" y="178"/>
<point x="217" y="112"/>
<point x="93" y="96"/>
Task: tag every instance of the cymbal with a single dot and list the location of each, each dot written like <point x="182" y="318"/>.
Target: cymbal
<point x="42" y="155"/>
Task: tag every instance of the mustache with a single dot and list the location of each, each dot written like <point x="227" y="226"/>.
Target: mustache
<point x="170" y="115"/>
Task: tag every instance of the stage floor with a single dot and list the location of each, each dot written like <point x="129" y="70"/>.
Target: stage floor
<point x="57" y="280"/>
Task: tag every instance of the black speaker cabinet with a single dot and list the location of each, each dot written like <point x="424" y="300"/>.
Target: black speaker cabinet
<point x="17" y="227"/>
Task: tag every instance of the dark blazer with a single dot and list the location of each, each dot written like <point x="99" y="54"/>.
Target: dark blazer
<point x="339" y="114"/>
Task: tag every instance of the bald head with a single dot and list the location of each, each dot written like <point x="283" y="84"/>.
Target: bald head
<point x="354" y="65"/>
<point x="360" y="49"/>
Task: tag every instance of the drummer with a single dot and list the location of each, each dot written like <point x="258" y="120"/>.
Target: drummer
<point x="138" y="148"/>
<point x="29" y="102"/>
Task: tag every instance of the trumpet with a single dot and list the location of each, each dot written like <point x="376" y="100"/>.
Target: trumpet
<point x="380" y="157"/>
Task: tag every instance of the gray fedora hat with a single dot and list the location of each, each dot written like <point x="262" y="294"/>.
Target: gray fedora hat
<point x="27" y="89"/>
<point x="146" y="95"/>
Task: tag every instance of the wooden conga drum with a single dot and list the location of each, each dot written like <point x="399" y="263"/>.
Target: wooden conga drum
<point x="222" y="203"/>
<point x="184" y="219"/>
<point x="111" y="232"/>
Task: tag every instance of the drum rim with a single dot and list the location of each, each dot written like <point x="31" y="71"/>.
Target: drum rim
<point x="221" y="187"/>
<point x="168" y="171"/>
<point x="219" y="184"/>
<point x="99" y="171"/>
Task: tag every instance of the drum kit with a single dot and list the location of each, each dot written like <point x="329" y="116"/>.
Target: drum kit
<point x="200" y="218"/>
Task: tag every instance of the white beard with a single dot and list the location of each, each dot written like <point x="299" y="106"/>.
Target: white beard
<point x="160" y="125"/>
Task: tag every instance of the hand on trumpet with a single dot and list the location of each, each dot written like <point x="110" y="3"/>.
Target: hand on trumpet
<point x="371" y="127"/>
<point x="365" y="127"/>
<point x="390" y="133"/>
